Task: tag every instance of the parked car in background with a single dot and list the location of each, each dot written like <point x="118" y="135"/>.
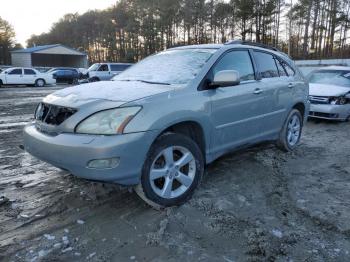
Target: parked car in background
<point x="65" y="75"/>
<point x="25" y="76"/>
<point x="105" y="71"/>
<point x="330" y="93"/>
<point x="157" y="124"/>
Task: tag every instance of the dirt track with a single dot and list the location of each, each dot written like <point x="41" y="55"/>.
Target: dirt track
<point x="254" y="205"/>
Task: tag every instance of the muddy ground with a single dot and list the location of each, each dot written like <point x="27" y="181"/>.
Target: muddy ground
<point x="258" y="204"/>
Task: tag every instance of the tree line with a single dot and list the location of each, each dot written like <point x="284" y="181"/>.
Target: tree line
<point x="133" y="29"/>
<point x="7" y="42"/>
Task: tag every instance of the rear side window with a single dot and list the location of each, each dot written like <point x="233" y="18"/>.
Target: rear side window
<point x="290" y="71"/>
<point x="16" y="72"/>
<point x="236" y="60"/>
<point x="281" y="68"/>
<point x="266" y="64"/>
<point x="29" y="72"/>
<point x="119" y="67"/>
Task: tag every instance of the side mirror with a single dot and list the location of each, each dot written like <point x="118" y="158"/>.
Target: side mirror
<point x="225" y="78"/>
<point x="6" y="72"/>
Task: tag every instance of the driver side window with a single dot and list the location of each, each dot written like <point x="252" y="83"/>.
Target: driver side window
<point x="16" y="72"/>
<point x="236" y="60"/>
<point x="103" y="68"/>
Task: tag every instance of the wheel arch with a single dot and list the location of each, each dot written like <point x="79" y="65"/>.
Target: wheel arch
<point x="95" y="78"/>
<point x="40" y="78"/>
<point x="191" y="128"/>
<point x="300" y="106"/>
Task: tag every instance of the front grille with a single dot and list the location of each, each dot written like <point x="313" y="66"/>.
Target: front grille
<point x="52" y="114"/>
<point x="319" y="100"/>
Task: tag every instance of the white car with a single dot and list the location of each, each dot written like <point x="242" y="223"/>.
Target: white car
<point x="105" y="71"/>
<point x="330" y="93"/>
<point x="25" y="76"/>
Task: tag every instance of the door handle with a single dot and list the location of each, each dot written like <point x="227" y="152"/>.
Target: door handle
<point x="290" y="85"/>
<point x="257" y="91"/>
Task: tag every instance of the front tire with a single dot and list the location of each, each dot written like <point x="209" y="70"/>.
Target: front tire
<point x="40" y="83"/>
<point x="172" y="171"/>
<point x="94" y="79"/>
<point x="291" y="132"/>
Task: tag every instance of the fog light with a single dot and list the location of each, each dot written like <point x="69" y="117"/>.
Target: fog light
<point x="103" y="163"/>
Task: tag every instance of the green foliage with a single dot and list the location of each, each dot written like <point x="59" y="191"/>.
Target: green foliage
<point x="133" y="29"/>
<point x="7" y="36"/>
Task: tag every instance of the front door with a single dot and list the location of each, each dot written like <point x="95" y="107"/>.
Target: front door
<point x="103" y="72"/>
<point x="237" y="111"/>
<point x="15" y="77"/>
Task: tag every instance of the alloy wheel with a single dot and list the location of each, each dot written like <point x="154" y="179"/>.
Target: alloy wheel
<point x="40" y="83"/>
<point x="172" y="172"/>
<point x="294" y="130"/>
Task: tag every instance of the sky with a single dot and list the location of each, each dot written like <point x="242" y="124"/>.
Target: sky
<point x="37" y="16"/>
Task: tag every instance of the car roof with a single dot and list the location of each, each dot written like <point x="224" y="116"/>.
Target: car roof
<point x="63" y="68"/>
<point x="236" y="44"/>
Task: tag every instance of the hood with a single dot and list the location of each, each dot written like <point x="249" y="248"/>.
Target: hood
<point x="328" y="90"/>
<point x="117" y="91"/>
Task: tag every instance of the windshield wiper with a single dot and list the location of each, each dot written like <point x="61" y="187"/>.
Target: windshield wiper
<point x="145" y="81"/>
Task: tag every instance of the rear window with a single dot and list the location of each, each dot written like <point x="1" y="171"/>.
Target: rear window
<point x="266" y="64"/>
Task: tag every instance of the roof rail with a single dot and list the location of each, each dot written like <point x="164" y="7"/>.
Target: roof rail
<point x="243" y="42"/>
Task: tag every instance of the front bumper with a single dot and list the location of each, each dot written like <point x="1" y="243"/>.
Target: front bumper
<point x="72" y="152"/>
<point x="330" y="112"/>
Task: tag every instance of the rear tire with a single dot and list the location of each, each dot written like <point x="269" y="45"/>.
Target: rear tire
<point x="0" y="83"/>
<point x="290" y="134"/>
<point x="40" y="82"/>
<point x="172" y="171"/>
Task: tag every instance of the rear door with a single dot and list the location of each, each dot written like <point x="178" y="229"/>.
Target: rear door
<point x="277" y="93"/>
<point x="29" y="76"/>
<point x="237" y="111"/>
<point x="15" y="76"/>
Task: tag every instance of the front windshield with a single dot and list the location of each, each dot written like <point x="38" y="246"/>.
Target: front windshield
<point x="168" y="67"/>
<point x="7" y="70"/>
<point x="52" y="70"/>
<point x="94" y="67"/>
<point x="331" y="77"/>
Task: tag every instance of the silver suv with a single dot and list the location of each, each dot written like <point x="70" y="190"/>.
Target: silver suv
<point x="157" y="124"/>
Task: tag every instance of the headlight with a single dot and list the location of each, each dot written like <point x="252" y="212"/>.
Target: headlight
<point x="338" y="101"/>
<point x="342" y="101"/>
<point x="108" y="122"/>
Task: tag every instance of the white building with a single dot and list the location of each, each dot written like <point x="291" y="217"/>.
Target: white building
<point x="49" y="56"/>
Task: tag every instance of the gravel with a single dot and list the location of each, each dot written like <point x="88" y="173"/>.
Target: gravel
<point x="258" y="204"/>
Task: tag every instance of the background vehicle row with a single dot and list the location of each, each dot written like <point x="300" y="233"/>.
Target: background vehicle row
<point x="25" y="76"/>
